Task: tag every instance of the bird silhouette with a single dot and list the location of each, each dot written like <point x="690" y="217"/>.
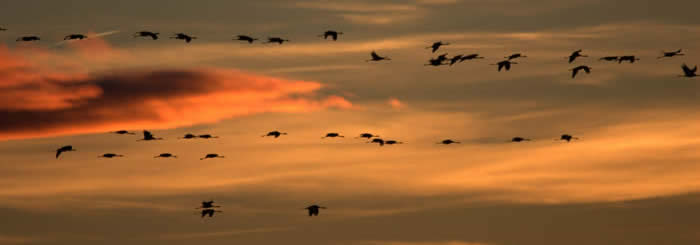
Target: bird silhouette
<point x="392" y="142"/>
<point x="687" y="72"/>
<point x="75" y="36"/>
<point x="207" y="136"/>
<point x="470" y="57"/>
<point x="210" y="212"/>
<point x="123" y="132"/>
<point x="436" y="46"/>
<point x="378" y="141"/>
<point x="189" y="136"/>
<point x="575" y="70"/>
<point x="245" y="38"/>
<point x="28" y="39"/>
<point x="504" y="64"/>
<point x="183" y="36"/>
<point x="165" y="155"/>
<point x="208" y="204"/>
<point x="332" y="34"/>
<point x="64" y="149"/>
<point x="630" y="58"/>
<point x="575" y="55"/>
<point x="376" y="57"/>
<point x="275" y="134"/>
<point x="277" y="40"/>
<point x="448" y="142"/>
<point x="519" y="139"/>
<point x="455" y="58"/>
<point x="313" y="209"/>
<point x="147" y="136"/>
<point x="567" y="137"/>
<point x="609" y="58"/>
<point x="332" y="135"/>
<point x="670" y="54"/>
<point x="110" y="155"/>
<point x="515" y="56"/>
<point x="435" y="62"/>
<point x="153" y="35"/>
<point x="367" y="135"/>
<point x="211" y="155"/>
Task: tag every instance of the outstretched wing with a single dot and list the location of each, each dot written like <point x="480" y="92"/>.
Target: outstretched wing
<point x="375" y="56"/>
<point x="58" y="153"/>
<point x="574" y="72"/>
<point x="147" y="135"/>
<point x="687" y="69"/>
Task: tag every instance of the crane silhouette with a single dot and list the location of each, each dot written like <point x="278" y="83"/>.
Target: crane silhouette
<point x="575" y="70"/>
<point x="110" y="155"/>
<point x="609" y="58"/>
<point x="519" y="139"/>
<point x="630" y="58"/>
<point x="210" y="212"/>
<point x="376" y="57"/>
<point x="208" y="204"/>
<point x="75" y="36"/>
<point x="392" y="142"/>
<point x="28" y="39"/>
<point x="123" y="132"/>
<point x="277" y="40"/>
<point x="152" y="35"/>
<point x="207" y="136"/>
<point x="64" y="149"/>
<point x="435" y="62"/>
<point x="148" y="136"/>
<point x="448" y="142"/>
<point x="332" y="135"/>
<point x="504" y="64"/>
<point x="515" y="56"/>
<point x="183" y="36"/>
<point x="367" y="135"/>
<point x="245" y="38"/>
<point x="313" y="209"/>
<point x="378" y="141"/>
<point x="687" y="72"/>
<point x="165" y="155"/>
<point x="575" y="55"/>
<point x="670" y="54"/>
<point x="275" y="134"/>
<point x="470" y="57"/>
<point x="437" y="45"/>
<point x="189" y="136"/>
<point x="332" y="34"/>
<point x="567" y="137"/>
<point x="211" y="155"/>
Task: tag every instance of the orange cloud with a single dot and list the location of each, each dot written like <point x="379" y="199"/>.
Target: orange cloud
<point x="38" y="101"/>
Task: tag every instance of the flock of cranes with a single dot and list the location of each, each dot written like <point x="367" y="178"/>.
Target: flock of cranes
<point x="209" y="209"/>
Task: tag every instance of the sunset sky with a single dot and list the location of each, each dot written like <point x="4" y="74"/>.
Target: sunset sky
<point x="633" y="177"/>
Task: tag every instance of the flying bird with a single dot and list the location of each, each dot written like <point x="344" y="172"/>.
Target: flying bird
<point x="313" y="209"/>
<point x="515" y="56"/>
<point x="392" y="142"/>
<point x="519" y="139"/>
<point x="276" y="40"/>
<point x="245" y="38"/>
<point x="209" y="212"/>
<point x="64" y="149"/>
<point x="448" y="142"/>
<point x="28" y="39"/>
<point x="208" y="204"/>
<point x="378" y="141"/>
<point x="189" y="136"/>
<point x="575" y="70"/>
<point x="504" y="64"/>
<point x="687" y="72"/>
<point x="110" y="155"/>
<point x="153" y="35"/>
<point x="455" y="58"/>
<point x="376" y="57"/>
<point x="670" y="54"/>
<point x="75" y="36"/>
<point x="436" y="46"/>
<point x="275" y="134"/>
<point x="435" y="62"/>
<point x="123" y="132"/>
<point x="183" y="36"/>
<point x="332" y="135"/>
<point x="567" y="137"/>
<point x="207" y="136"/>
<point x="470" y="57"/>
<point x="367" y="135"/>
<point x="575" y="55"/>
<point x="147" y="136"/>
<point x="332" y="34"/>
<point x="165" y="155"/>
<point x="609" y="58"/>
<point x="211" y="155"/>
<point x="630" y="58"/>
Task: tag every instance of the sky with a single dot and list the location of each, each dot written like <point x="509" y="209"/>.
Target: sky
<point x="632" y="177"/>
